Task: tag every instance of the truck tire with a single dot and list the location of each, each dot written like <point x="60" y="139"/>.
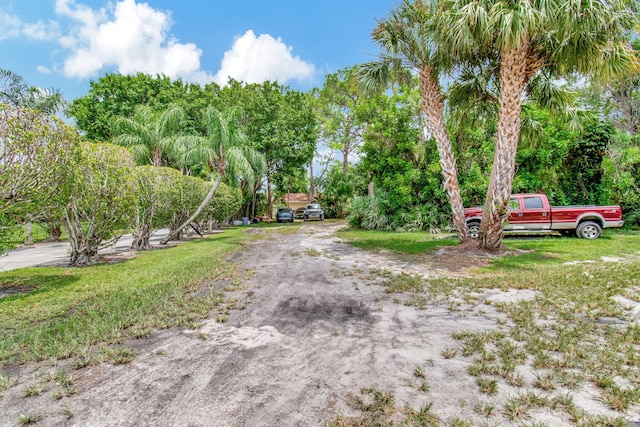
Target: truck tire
<point x="589" y="230"/>
<point x="474" y="229"/>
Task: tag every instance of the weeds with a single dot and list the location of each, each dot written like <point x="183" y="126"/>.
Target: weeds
<point x="572" y="332"/>
<point x="487" y="385"/>
<point x="24" y="420"/>
<point x="35" y="389"/>
<point x="403" y="282"/>
<point x="67" y="412"/>
<point x="449" y="353"/>
<point x="419" y="372"/>
<point x="378" y="408"/>
<point x="6" y="382"/>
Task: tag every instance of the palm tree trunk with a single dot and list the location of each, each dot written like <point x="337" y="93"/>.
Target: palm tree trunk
<point x="513" y="76"/>
<point x="198" y="211"/>
<point x="433" y="106"/>
<point x="156" y="157"/>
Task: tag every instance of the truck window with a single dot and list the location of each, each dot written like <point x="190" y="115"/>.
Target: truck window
<point x="533" y="203"/>
<point x="514" y="204"/>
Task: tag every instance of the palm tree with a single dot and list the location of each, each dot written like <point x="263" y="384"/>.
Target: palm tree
<point x="560" y="37"/>
<point x="407" y="44"/>
<point x="149" y="134"/>
<point x="15" y="91"/>
<point x="225" y="151"/>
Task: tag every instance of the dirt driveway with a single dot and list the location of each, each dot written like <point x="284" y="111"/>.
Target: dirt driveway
<point x="316" y="326"/>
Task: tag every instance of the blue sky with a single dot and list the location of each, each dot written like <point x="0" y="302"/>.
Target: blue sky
<point x="66" y="43"/>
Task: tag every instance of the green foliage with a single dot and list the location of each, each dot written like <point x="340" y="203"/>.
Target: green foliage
<point x="37" y="156"/>
<point x="151" y="136"/>
<point x="367" y="212"/>
<point x="187" y="192"/>
<point x="336" y="190"/>
<point x="621" y="176"/>
<point x="225" y="203"/>
<point x="156" y="190"/>
<point x="404" y="169"/>
<point x="337" y="107"/>
<point x="116" y="95"/>
<point x="103" y="202"/>
<point x="15" y="92"/>
<point x="279" y="123"/>
<point x="583" y="173"/>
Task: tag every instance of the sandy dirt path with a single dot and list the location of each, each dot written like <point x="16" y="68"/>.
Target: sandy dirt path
<point x="316" y="327"/>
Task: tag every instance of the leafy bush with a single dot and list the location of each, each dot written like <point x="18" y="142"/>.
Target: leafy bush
<point x="103" y="202"/>
<point x="427" y="217"/>
<point x="368" y="212"/>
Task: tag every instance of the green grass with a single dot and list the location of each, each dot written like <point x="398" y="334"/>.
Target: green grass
<point x="16" y="237"/>
<point x="71" y="310"/>
<point x="406" y="243"/>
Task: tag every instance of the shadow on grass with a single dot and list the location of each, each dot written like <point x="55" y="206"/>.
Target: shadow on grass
<point x="16" y="286"/>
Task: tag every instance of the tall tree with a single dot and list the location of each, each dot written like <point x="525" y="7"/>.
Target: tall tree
<point x="116" y="95"/>
<point x="15" y="91"/>
<point x="528" y="36"/>
<point x="337" y="103"/>
<point x="406" y="40"/>
<point x="224" y="149"/>
<point x="280" y="123"/>
<point x="150" y="135"/>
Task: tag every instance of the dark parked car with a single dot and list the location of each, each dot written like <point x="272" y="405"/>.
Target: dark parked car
<point x="313" y="211"/>
<point x="285" y="215"/>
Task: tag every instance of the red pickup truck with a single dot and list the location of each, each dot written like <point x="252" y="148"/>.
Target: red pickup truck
<point x="531" y="213"/>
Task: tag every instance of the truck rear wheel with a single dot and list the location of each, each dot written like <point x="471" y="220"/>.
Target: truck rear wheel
<point x="589" y="230"/>
<point x="474" y="229"/>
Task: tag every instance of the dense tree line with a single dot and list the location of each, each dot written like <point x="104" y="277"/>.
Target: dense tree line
<point x="530" y="107"/>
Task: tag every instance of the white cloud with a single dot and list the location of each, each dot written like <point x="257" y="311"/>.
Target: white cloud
<point x="12" y="27"/>
<point x="42" y="69"/>
<point x="133" y="37"/>
<point x="256" y="59"/>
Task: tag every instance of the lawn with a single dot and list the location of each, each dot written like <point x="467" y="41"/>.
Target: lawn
<point x="67" y="311"/>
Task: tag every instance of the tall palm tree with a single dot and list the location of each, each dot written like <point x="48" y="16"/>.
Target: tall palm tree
<point x="561" y="37"/>
<point x="225" y="151"/>
<point x="149" y="134"/>
<point x="15" y="91"/>
<point x="406" y="40"/>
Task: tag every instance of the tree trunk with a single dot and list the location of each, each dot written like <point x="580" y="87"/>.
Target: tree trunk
<point x="156" y="157"/>
<point x="141" y="237"/>
<point x="370" y="189"/>
<point x="254" y="198"/>
<point x="82" y="250"/>
<point x="513" y="76"/>
<point x="28" y="227"/>
<point x="269" y="202"/>
<point x="433" y="106"/>
<point x="345" y="161"/>
<point x="173" y="234"/>
<point x="312" y="189"/>
<point x="55" y="232"/>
